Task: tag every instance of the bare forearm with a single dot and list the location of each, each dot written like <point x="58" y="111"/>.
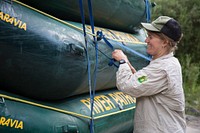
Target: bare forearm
<point x="131" y="67"/>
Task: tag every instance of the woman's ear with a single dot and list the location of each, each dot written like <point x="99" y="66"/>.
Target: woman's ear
<point x="165" y="43"/>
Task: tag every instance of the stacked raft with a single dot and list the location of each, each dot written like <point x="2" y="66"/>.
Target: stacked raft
<point x="44" y="71"/>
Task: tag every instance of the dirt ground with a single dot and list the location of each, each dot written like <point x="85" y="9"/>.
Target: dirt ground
<point x="193" y="124"/>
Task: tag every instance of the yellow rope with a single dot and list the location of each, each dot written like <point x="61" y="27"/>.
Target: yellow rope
<point x="73" y="26"/>
<point x="124" y="110"/>
<point x="61" y="110"/>
<point x="44" y="106"/>
<point x="49" y="16"/>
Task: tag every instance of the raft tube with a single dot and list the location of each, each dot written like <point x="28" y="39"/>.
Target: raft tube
<point x="121" y="15"/>
<point x="113" y="113"/>
<point x="43" y="57"/>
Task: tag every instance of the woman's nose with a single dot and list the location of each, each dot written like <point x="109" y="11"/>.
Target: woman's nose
<point x="147" y="40"/>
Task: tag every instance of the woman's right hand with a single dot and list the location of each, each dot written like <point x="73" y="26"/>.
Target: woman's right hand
<point x="118" y="55"/>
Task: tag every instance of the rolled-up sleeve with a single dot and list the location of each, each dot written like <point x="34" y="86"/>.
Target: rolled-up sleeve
<point x="145" y="82"/>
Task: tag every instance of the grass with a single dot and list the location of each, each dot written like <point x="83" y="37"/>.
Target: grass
<point x="191" y="84"/>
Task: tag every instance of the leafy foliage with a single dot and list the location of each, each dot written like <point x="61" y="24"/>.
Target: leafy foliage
<point x="191" y="73"/>
<point x="187" y="13"/>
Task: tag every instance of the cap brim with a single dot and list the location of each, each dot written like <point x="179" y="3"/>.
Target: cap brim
<point x="150" y="27"/>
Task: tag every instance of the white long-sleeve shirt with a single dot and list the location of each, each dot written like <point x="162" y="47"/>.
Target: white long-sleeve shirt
<point x="158" y="88"/>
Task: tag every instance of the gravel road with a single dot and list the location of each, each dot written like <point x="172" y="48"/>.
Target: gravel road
<point x="193" y="124"/>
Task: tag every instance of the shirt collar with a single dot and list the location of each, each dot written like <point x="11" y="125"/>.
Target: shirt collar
<point x="164" y="57"/>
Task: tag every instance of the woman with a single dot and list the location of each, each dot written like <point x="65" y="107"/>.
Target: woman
<point x="158" y="86"/>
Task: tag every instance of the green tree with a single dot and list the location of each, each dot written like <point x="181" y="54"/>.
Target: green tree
<point x="187" y="12"/>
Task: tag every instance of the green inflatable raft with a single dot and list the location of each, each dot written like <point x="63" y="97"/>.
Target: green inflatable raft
<point x="121" y="15"/>
<point x="44" y="65"/>
<point x="44" y="57"/>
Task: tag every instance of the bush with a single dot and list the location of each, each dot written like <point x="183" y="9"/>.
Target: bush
<point x="191" y="87"/>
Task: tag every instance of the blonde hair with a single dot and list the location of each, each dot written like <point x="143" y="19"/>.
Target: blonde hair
<point x="172" y="45"/>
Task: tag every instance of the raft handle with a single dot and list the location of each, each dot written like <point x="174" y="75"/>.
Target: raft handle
<point x="2" y="101"/>
<point x="78" y="50"/>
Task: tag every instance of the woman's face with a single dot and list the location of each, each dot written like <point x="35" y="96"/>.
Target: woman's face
<point x="155" y="45"/>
